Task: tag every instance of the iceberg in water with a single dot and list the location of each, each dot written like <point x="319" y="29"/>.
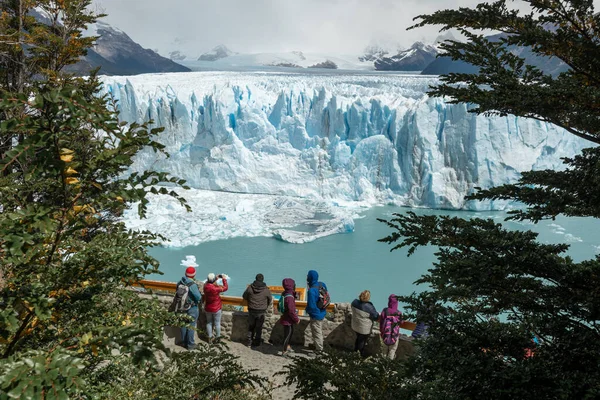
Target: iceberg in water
<point x="336" y="138"/>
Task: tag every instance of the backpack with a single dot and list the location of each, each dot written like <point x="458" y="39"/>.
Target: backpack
<point x="324" y="300"/>
<point x="181" y="302"/>
<point x="391" y="328"/>
<point x="281" y="304"/>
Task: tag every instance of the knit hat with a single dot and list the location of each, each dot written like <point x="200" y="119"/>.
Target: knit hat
<point x="260" y="277"/>
<point x="190" y="272"/>
<point x="211" y="277"/>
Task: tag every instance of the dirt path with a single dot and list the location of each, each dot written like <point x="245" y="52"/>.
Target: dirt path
<point x="266" y="362"/>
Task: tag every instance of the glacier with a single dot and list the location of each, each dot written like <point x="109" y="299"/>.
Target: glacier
<point x="331" y="142"/>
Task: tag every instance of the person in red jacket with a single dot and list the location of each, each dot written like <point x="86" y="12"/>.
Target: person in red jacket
<point x="289" y="317"/>
<point x="213" y="304"/>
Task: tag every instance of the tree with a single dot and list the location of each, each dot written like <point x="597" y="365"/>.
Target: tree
<point x="337" y="375"/>
<point x="494" y="293"/>
<point x="67" y="317"/>
<point x="493" y="290"/>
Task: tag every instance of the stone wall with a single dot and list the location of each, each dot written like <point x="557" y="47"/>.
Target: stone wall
<point x="336" y="331"/>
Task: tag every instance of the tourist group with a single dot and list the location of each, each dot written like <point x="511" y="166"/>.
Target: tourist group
<point x="191" y="296"/>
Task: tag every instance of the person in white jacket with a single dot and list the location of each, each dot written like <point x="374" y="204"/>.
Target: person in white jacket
<point x="363" y="316"/>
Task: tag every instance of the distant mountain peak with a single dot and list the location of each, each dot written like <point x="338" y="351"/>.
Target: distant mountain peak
<point x="373" y="52"/>
<point x="217" y="53"/>
<point x="415" y="58"/>
<point x="443" y="37"/>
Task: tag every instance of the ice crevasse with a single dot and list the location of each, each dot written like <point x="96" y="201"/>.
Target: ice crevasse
<point x="370" y="139"/>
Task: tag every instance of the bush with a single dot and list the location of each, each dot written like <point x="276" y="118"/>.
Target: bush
<point x="336" y="375"/>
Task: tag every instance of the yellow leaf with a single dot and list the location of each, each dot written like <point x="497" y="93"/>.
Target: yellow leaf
<point x="71" y="181"/>
<point x="70" y="171"/>
<point x="67" y="158"/>
<point x="85" y="283"/>
<point x="119" y="198"/>
<point x="65" y="151"/>
<point x="97" y="185"/>
<point x="85" y="339"/>
<point x="95" y="350"/>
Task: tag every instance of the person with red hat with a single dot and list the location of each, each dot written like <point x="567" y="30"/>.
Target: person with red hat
<point x="194" y="296"/>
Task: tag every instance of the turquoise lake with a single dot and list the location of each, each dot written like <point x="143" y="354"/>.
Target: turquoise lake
<point x="350" y="263"/>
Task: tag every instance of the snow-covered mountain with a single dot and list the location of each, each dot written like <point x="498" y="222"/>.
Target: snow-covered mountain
<point x="415" y="58"/>
<point x="445" y="65"/>
<point x="217" y="53"/>
<point x="115" y="52"/>
<point x="177" y="56"/>
<point x="373" y="52"/>
<point x="291" y="59"/>
<point x="322" y="142"/>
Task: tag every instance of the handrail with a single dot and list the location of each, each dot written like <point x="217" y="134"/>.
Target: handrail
<point x="171" y="288"/>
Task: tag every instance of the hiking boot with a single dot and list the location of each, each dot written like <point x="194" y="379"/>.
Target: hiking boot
<point x="191" y="347"/>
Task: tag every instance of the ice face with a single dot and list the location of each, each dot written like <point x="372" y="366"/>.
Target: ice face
<point x="333" y="137"/>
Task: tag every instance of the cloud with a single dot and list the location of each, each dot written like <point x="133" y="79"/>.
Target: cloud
<point x="332" y="26"/>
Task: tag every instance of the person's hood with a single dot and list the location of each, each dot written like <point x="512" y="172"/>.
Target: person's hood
<point x="258" y="286"/>
<point x="393" y="303"/>
<point x="288" y="285"/>
<point x="312" y="278"/>
<point x="185" y="280"/>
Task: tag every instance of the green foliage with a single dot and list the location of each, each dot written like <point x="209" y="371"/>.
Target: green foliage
<point x="493" y="290"/>
<point x="201" y="374"/>
<point x="67" y="315"/>
<point x="340" y="375"/>
<point x="31" y="47"/>
<point x="65" y="254"/>
<point x="550" y="193"/>
<point x="567" y="30"/>
<point x="36" y="374"/>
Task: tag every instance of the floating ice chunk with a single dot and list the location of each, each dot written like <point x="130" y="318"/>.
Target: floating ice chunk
<point x="212" y="217"/>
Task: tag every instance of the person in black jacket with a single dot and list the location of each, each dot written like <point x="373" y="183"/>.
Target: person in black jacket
<point x="259" y="300"/>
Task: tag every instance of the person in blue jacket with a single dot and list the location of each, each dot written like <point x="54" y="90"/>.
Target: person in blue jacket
<point x="187" y="333"/>
<point x="316" y="314"/>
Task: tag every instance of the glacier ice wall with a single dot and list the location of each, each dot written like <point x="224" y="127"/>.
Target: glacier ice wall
<point x="339" y="137"/>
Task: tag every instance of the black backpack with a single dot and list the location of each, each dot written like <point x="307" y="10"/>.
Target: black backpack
<point x="324" y="299"/>
<point x="181" y="302"/>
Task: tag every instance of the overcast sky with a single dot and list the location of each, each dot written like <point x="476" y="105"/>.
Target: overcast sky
<point x="251" y="26"/>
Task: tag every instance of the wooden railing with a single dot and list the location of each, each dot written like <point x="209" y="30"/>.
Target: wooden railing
<point x="170" y="287"/>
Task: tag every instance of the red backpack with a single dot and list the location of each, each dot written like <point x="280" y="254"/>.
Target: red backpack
<point x="390" y="328"/>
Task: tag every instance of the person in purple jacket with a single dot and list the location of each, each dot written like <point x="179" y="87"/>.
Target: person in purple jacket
<point x="289" y="317"/>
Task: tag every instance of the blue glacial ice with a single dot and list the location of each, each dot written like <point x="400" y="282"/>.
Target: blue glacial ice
<point x="345" y="139"/>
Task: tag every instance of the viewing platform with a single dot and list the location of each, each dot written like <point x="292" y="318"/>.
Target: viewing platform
<point x="169" y="288"/>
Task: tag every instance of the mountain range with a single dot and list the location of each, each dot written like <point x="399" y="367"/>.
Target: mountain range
<point x="116" y="53"/>
<point x="415" y="58"/>
<point x="445" y="65"/>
